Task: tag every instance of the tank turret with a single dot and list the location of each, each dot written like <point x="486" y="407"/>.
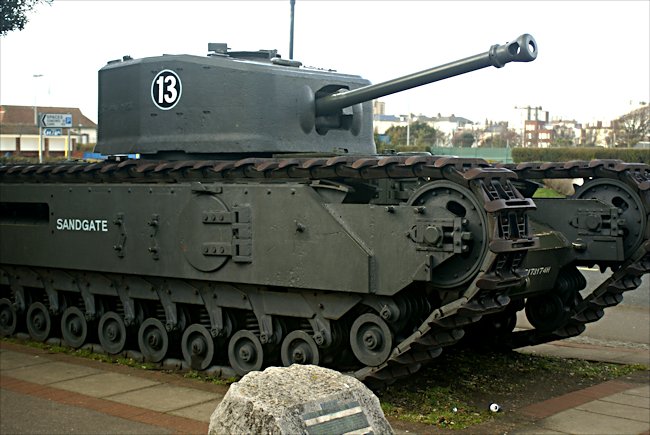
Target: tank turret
<point x="238" y="104"/>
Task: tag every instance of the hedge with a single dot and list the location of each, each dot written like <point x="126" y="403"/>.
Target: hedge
<point x="630" y="155"/>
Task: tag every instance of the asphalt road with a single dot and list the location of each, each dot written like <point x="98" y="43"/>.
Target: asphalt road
<point x="625" y="324"/>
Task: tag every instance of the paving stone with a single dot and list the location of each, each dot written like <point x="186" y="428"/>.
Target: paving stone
<point x="535" y="430"/>
<point x="164" y="397"/>
<point x="578" y="422"/>
<point x="104" y="384"/>
<point x="616" y="410"/>
<point x="629" y="399"/>
<point x="11" y="360"/>
<point x="201" y="412"/>
<point x="643" y="391"/>
<point x="50" y="372"/>
<point x="24" y="414"/>
<point x="567" y="349"/>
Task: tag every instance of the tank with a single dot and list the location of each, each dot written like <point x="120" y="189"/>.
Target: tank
<point x="259" y="227"/>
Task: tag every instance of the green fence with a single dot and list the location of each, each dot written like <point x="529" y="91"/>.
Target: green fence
<point x="503" y="155"/>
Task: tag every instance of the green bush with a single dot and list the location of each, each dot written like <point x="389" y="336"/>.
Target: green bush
<point x="85" y="147"/>
<point x="630" y="155"/>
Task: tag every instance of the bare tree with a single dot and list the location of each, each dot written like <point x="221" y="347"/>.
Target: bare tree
<point x="632" y="127"/>
<point x="589" y="136"/>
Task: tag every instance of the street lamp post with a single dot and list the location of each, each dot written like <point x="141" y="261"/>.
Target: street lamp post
<point x="293" y="5"/>
<point x="40" y="131"/>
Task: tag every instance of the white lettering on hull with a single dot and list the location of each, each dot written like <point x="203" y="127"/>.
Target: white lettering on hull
<point x="534" y="271"/>
<point x="89" y="225"/>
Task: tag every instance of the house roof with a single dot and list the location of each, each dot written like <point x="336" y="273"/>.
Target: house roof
<point x="453" y="118"/>
<point x="20" y="119"/>
<point x="388" y="118"/>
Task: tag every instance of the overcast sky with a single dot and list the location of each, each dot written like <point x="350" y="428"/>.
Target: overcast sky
<point x="593" y="63"/>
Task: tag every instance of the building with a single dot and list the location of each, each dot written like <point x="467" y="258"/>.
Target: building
<point x="449" y="124"/>
<point x="597" y="134"/>
<point x="19" y="132"/>
<point x="566" y="132"/>
<point x="378" y="107"/>
<point x="446" y="125"/>
<point x="537" y="134"/>
<point x="381" y="123"/>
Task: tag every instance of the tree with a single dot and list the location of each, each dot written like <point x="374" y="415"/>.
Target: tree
<point x="14" y="14"/>
<point x="463" y="139"/>
<point x="421" y="135"/>
<point x="424" y="134"/>
<point x="589" y="136"/>
<point x="562" y="136"/>
<point x="632" y="127"/>
<point x="507" y="138"/>
<point x="396" y="135"/>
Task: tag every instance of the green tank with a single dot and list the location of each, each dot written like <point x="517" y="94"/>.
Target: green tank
<point x="259" y="227"/>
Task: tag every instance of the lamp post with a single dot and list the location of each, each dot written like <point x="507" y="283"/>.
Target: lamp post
<point x="35" y="76"/>
<point x="40" y="132"/>
<point x="293" y="5"/>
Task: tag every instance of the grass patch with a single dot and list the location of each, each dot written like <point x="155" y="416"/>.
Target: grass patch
<point x="545" y="192"/>
<point x="433" y="405"/>
<point x="114" y="359"/>
<point x="83" y="353"/>
<point x="193" y="374"/>
<point x="455" y="390"/>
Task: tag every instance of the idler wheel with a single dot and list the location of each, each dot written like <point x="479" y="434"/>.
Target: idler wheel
<point x="112" y="333"/>
<point x="446" y="201"/>
<point x="371" y="339"/>
<point x="298" y="347"/>
<point x="39" y="321"/>
<point x="245" y="352"/>
<point x="153" y="340"/>
<point x="198" y="347"/>
<point x="547" y="312"/>
<point x="74" y="327"/>
<point x="619" y="195"/>
<point x="8" y="318"/>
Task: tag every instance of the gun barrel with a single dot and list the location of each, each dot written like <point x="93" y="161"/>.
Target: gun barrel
<point x="523" y="49"/>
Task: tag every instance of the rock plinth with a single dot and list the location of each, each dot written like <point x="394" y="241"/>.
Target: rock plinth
<point x="300" y="399"/>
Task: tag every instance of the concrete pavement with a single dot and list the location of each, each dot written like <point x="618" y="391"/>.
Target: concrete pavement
<point x="75" y="395"/>
<point x="592" y="349"/>
<point x="58" y="393"/>
<point x="614" y="407"/>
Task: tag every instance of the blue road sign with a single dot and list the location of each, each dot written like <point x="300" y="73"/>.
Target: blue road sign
<point x="52" y="132"/>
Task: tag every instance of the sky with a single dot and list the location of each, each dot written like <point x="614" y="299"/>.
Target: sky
<point x="593" y="62"/>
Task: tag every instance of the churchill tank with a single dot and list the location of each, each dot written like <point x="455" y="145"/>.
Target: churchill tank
<point x="258" y="225"/>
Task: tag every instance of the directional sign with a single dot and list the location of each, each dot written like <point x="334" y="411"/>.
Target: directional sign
<point x="52" y="131"/>
<point x="56" y="120"/>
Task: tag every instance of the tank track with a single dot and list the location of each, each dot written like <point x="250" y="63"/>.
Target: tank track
<point x="625" y="277"/>
<point x="499" y="272"/>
